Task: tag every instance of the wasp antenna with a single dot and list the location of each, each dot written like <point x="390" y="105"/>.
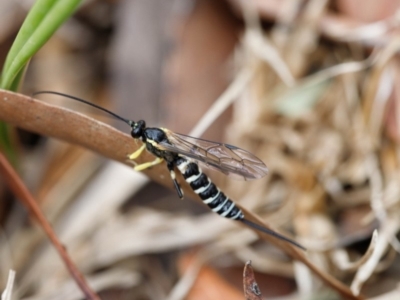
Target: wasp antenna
<point x="129" y="122"/>
<point x="273" y="233"/>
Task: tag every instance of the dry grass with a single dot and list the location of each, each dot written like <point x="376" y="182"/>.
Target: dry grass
<point x="313" y="94"/>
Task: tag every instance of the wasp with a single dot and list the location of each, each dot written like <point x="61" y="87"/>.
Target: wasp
<point x="184" y="153"/>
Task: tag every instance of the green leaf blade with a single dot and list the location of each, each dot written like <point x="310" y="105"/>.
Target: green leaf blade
<point x="42" y="21"/>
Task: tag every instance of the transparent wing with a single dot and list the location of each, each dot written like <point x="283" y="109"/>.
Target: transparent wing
<point x="228" y="159"/>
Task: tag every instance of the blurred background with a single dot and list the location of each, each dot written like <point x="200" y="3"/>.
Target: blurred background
<point x="307" y="86"/>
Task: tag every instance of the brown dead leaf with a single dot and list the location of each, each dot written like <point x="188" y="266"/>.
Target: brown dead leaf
<point x="209" y="285"/>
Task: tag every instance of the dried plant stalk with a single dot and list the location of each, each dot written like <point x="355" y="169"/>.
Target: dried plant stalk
<point x="45" y="119"/>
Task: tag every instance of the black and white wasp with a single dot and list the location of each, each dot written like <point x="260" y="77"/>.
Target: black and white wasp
<point x="183" y="152"/>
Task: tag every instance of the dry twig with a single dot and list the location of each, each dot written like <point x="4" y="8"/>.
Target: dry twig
<point x="20" y="190"/>
<point x="45" y="119"/>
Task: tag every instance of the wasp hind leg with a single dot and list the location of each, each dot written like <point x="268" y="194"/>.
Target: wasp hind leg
<point x="173" y="177"/>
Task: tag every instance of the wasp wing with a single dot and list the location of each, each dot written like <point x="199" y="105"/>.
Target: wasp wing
<point x="226" y="158"/>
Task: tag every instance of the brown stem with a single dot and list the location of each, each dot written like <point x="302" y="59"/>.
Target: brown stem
<point x="21" y="192"/>
<point x="30" y="114"/>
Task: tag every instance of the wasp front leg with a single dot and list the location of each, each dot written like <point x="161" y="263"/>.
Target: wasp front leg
<point x="137" y="153"/>
<point x="143" y="166"/>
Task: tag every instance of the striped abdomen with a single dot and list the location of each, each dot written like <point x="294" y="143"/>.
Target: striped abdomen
<point x="216" y="200"/>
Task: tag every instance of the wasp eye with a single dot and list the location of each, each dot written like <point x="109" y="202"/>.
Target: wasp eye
<point x="137" y="129"/>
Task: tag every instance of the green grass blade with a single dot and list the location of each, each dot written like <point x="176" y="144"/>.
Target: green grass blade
<point x="45" y="17"/>
<point x="32" y="20"/>
<point x="6" y="145"/>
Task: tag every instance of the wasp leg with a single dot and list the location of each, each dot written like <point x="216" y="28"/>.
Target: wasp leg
<point x="173" y="177"/>
<point x="137" y="153"/>
<point x="147" y="165"/>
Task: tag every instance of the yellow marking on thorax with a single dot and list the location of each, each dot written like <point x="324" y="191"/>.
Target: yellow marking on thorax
<point x="155" y="144"/>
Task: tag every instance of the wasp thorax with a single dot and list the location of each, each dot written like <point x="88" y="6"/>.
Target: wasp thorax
<point x="137" y="129"/>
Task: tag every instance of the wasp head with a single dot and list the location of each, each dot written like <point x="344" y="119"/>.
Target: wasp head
<point x="138" y="129"/>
